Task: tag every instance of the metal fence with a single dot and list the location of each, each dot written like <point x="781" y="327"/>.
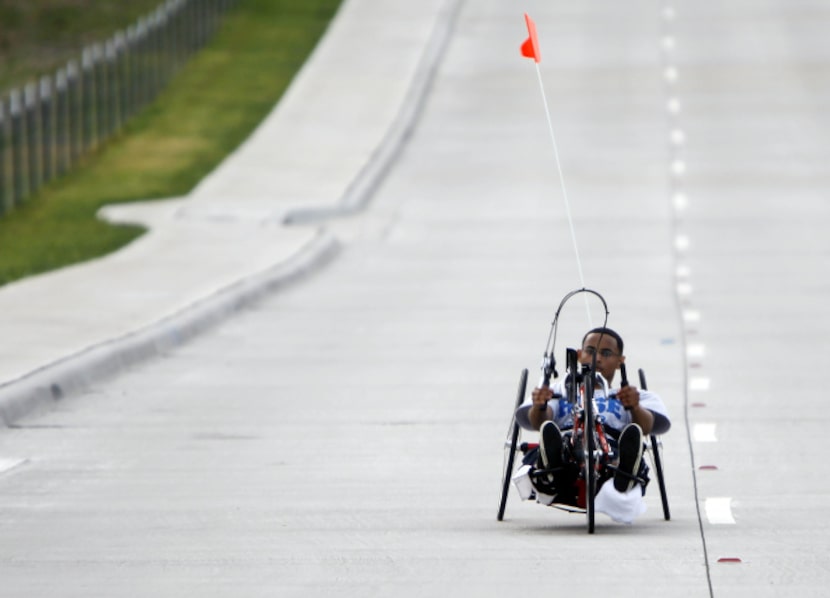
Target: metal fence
<point x="47" y="126"/>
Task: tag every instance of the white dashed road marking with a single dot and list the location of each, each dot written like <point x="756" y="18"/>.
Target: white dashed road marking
<point x="719" y="511"/>
<point x="704" y="433"/>
<point x="699" y="384"/>
<point x="691" y="315"/>
<point x="681" y="202"/>
<point x="673" y="106"/>
<point x="696" y="350"/>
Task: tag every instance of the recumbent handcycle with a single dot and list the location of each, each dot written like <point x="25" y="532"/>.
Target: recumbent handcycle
<point x="588" y="438"/>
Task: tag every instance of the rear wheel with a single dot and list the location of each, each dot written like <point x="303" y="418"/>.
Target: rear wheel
<point x="658" y="469"/>
<point x="657" y="460"/>
<point x="510" y="446"/>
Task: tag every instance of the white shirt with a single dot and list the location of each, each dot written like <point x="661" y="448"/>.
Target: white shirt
<point x="609" y="409"/>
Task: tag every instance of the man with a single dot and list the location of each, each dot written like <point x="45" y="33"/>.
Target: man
<point x="627" y="414"/>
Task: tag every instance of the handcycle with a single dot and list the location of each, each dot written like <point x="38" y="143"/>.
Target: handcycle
<point x="588" y="438"/>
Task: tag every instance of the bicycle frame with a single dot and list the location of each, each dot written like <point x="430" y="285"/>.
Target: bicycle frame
<point x="589" y="444"/>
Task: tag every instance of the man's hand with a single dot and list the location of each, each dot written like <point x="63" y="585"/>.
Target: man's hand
<point x="541" y="396"/>
<point x="629" y="396"/>
<point x="539" y="412"/>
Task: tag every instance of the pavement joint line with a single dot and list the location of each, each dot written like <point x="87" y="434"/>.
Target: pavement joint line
<point x="9" y="463"/>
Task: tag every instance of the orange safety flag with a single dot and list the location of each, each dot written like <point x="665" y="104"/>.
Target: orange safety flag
<point x="530" y="47"/>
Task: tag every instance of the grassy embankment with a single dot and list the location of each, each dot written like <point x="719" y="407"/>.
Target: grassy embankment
<point x="206" y="112"/>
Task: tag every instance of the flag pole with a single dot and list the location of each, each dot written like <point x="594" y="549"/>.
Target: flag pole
<point x="530" y="49"/>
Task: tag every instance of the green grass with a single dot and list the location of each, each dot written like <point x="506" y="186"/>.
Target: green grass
<point x="205" y="113"/>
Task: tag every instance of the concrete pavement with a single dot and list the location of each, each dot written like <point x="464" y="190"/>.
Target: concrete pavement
<point x="342" y="436"/>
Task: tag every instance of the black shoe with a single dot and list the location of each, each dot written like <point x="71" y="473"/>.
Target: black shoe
<point x="631" y="453"/>
<point x="550" y="447"/>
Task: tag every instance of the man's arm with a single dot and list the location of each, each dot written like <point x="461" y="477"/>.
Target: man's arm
<point x="629" y="396"/>
<point x="540" y="411"/>
<point x="643" y="417"/>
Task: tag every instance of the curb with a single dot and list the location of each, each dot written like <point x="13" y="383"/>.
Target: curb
<point x="42" y="388"/>
<point x="358" y="194"/>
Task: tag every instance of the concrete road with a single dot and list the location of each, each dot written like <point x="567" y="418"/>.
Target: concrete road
<point x="343" y="435"/>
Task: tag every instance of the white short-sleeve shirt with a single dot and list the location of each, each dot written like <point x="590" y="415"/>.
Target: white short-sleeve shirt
<point x="609" y="409"/>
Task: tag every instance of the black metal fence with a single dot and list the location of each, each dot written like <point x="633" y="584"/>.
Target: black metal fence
<point x="48" y="125"/>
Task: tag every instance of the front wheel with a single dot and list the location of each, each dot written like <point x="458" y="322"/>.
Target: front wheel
<point x="590" y="459"/>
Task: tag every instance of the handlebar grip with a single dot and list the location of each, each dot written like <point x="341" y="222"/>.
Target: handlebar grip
<point x="624" y="381"/>
<point x="643" y="384"/>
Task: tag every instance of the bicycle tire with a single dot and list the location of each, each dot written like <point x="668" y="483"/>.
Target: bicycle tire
<point x="511" y="446"/>
<point x="590" y="462"/>
<point x="657" y="460"/>
<point x="661" y="481"/>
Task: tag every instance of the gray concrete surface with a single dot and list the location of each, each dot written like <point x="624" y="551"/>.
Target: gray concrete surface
<point x="343" y="434"/>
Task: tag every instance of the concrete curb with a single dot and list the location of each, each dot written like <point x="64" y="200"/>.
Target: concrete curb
<point x="40" y="389"/>
<point x="367" y="181"/>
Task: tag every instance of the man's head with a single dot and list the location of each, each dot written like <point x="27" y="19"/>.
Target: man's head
<point x="607" y="345"/>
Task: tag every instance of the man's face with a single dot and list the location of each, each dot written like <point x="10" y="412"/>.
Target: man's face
<point x="608" y="354"/>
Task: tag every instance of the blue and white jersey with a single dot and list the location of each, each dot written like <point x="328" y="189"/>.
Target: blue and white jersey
<point x="609" y="409"/>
